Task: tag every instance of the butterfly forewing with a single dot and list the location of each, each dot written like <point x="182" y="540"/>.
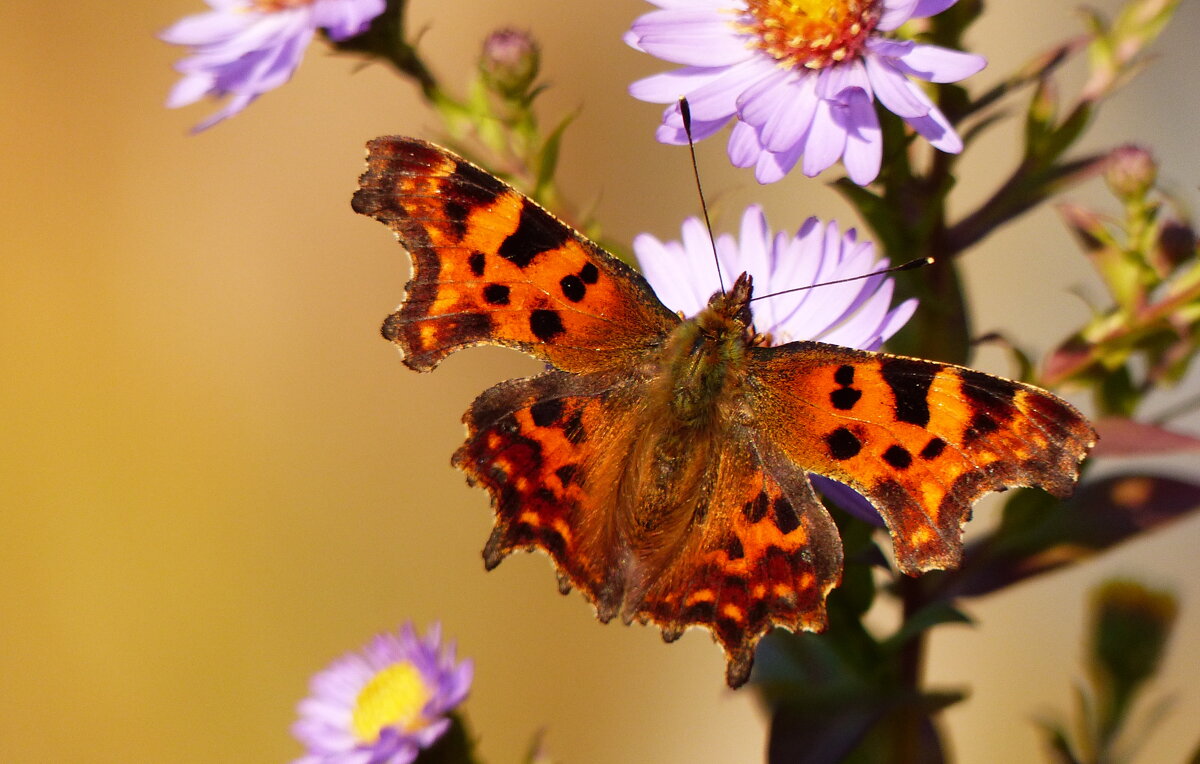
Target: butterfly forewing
<point x="922" y="441"/>
<point x="491" y="266"/>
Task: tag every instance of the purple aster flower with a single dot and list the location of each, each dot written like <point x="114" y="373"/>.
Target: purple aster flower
<point x="384" y="704"/>
<point x="243" y="48"/>
<point x="798" y="77"/>
<point x="857" y="314"/>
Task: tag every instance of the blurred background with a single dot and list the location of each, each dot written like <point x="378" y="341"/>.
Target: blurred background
<point x="216" y="477"/>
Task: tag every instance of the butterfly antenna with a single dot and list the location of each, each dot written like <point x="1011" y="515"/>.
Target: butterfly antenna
<point x="918" y="262"/>
<point x="686" y="112"/>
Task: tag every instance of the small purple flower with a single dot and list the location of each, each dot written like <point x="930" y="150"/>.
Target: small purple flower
<point x="856" y="314"/>
<point x="384" y="704"/>
<point x="798" y="77"/>
<point x="243" y="48"/>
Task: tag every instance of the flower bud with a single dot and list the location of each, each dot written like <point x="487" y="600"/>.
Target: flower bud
<point x="1176" y="245"/>
<point x="509" y="63"/>
<point x="1131" y="171"/>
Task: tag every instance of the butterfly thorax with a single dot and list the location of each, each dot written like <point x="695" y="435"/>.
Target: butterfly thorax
<point x="702" y="357"/>
<point x="696" y="397"/>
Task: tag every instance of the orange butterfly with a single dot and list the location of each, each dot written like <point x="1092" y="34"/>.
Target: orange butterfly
<point x="661" y="462"/>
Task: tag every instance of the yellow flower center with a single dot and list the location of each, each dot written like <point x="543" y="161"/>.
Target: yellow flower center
<point x="393" y="698"/>
<point x="810" y="33"/>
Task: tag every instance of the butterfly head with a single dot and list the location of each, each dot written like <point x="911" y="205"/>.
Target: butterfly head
<point x="726" y="309"/>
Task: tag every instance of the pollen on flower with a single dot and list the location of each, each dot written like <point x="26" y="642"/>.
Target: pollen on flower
<point x="812" y="34"/>
<point x="394" y="697"/>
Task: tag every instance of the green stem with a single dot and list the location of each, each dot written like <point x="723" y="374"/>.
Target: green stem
<point x="911" y="664"/>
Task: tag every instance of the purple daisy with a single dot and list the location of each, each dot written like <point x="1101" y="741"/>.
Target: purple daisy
<point x="243" y="48"/>
<point x="799" y="77"/>
<point x="857" y="314"/>
<point x="384" y="704"/>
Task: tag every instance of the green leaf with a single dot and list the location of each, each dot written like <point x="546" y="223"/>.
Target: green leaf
<point x="1118" y="395"/>
<point x="933" y="614"/>
<point x="547" y="162"/>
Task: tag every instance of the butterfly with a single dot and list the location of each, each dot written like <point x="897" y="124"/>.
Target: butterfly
<point x="662" y="462"/>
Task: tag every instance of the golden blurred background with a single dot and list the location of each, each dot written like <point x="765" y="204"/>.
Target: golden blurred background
<point x="217" y="477"/>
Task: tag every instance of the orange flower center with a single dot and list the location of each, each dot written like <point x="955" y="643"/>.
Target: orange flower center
<point x="810" y="33"/>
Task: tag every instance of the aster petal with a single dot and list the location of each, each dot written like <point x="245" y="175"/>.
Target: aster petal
<point x="937" y="64"/>
<point x="935" y="128"/>
<point x="232" y="107"/>
<point x="864" y="140"/>
<point x="202" y="28"/>
<point x="718" y="98"/>
<point x="667" y="87"/>
<point x="671" y="130"/>
<point x="190" y="89"/>
<point x="787" y="125"/>
<point x="847" y="499"/>
<point x="826" y="139"/>
<point x="772" y="166"/>
<point x="927" y="8"/>
<point x="343" y="19"/>
<point x="895" y="13"/>
<point x="744" y="148"/>
<point x="690" y="37"/>
<point x="760" y="99"/>
<point x="896" y="319"/>
<point x="660" y="264"/>
<point x="866" y="314"/>
<point x="892" y="88"/>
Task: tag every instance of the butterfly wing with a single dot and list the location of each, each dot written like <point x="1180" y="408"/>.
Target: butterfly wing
<point x="765" y="554"/>
<point x="922" y="441"/>
<point x="555" y="452"/>
<point x="491" y="266"/>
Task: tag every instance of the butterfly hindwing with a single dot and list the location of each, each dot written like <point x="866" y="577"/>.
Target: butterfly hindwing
<point x="491" y="266"/>
<point x="921" y="440"/>
<point x="759" y="551"/>
<point x="766" y="555"/>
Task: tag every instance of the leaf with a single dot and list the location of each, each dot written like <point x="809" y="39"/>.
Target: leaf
<point x="547" y="162"/>
<point x="1121" y="436"/>
<point x="1039" y="534"/>
<point x="1060" y="745"/>
<point x="933" y="614"/>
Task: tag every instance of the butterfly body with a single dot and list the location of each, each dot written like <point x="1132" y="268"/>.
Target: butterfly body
<point x="662" y="462"/>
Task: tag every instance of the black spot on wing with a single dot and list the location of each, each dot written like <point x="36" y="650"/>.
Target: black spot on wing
<point x="910" y="381"/>
<point x="980" y="426"/>
<point x="933" y="449"/>
<point x="843" y="444"/>
<point x="589" y="274"/>
<point x="786" y="519"/>
<point x="844" y="398"/>
<point x="734" y="549"/>
<point x="536" y="233"/>
<point x="572" y="288"/>
<point x="898" y="457"/>
<point x="545" y="324"/>
<point x="844" y="375"/>
<point x="475" y="188"/>
<point x="566" y="473"/>
<point x="456" y="216"/>
<point x="756" y="509"/>
<point x="547" y="412"/>
<point x="496" y="294"/>
<point x="477" y="261"/>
